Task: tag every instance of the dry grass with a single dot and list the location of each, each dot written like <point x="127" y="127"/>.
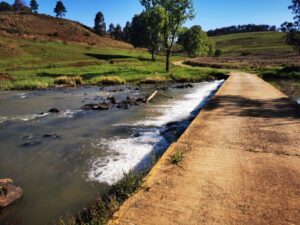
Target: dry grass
<point x="44" y="27"/>
<point x="255" y="61"/>
<point x="108" y="80"/>
<point x="154" y="80"/>
<point x="68" y="81"/>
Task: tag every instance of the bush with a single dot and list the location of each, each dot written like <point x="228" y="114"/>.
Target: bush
<point x="69" y="81"/>
<point x="153" y="80"/>
<point x="108" y="80"/>
<point x="100" y="211"/>
<point x="176" y="158"/>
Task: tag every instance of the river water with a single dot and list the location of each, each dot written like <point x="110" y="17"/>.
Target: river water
<point x="63" y="160"/>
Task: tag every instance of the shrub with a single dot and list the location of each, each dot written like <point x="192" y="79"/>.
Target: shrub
<point x="108" y="80"/>
<point x="101" y="210"/>
<point x="69" y="81"/>
<point x="218" y="52"/>
<point x="176" y="158"/>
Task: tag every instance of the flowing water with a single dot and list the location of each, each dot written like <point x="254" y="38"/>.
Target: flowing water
<point x="63" y="160"/>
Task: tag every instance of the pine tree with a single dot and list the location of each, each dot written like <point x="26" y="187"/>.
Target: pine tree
<point x="60" y="9"/>
<point x="19" y="5"/>
<point x="100" y="26"/>
<point x="111" y="29"/>
<point x="118" y="34"/>
<point x="34" y="6"/>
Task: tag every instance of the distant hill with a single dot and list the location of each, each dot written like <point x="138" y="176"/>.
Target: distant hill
<point x="44" y="27"/>
<point x="252" y="43"/>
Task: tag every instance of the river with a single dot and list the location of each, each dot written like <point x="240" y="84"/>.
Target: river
<point x="62" y="160"/>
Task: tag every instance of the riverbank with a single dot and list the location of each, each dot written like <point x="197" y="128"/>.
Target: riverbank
<point x="226" y="168"/>
<point x="32" y="64"/>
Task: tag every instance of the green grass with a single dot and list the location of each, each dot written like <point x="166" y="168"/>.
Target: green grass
<point x="176" y="158"/>
<point x="258" y="42"/>
<point x="33" y="64"/>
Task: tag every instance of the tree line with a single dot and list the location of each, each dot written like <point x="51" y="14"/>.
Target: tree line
<point x="241" y="29"/>
<point x="19" y="5"/>
<point x="293" y="28"/>
<point x="159" y="27"/>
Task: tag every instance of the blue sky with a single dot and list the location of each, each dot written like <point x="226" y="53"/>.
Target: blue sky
<point x="210" y="13"/>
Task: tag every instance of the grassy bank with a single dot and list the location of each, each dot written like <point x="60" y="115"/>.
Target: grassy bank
<point x="286" y="79"/>
<point x="32" y="64"/>
<point x="252" y="43"/>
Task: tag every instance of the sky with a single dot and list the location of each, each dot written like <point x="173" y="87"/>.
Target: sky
<point x="210" y="14"/>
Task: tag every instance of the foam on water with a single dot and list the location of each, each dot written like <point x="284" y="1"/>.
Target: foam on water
<point x="129" y="153"/>
<point x="126" y="154"/>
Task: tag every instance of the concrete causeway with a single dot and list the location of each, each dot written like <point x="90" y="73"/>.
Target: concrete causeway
<point x="241" y="164"/>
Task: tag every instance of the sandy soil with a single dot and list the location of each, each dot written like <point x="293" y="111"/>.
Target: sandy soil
<point x="241" y="164"/>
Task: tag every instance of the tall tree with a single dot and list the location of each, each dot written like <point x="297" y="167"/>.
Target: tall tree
<point x="60" y="10"/>
<point x="34" y="6"/>
<point x="19" y="5"/>
<point x="146" y="30"/>
<point x="175" y="14"/>
<point x="126" y="32"/>
<point x="118" y="34"/>
<point x="100" y="26"/>
<point x="111" y="29"/>
<point x="293" y="37"/>
<point x="295" y="7"/>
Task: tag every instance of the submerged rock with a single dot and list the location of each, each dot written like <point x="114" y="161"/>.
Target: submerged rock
<point x="183" y="86"/>
<point x="9" y="192"/>
<point x="53" y="135"/>
<point x="31" y="143"/>
<point x="100" y="106"/>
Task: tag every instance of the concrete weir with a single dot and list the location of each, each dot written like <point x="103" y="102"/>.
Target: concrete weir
<point x="241" y="164"/>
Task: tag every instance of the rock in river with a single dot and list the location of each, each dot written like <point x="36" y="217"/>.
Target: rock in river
<point x="54" y="110"/>
<point x="9" y="192"/>
<point x="99" y="106"/>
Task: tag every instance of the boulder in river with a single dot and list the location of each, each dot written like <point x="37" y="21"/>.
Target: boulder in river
<point x="100" y="106"/>
<point x="183" y="86"/>
<point x="54" y="110"/>
<point x="9" y="192"/>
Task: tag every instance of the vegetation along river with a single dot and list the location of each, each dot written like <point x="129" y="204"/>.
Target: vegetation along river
<point x="62" y="160"/>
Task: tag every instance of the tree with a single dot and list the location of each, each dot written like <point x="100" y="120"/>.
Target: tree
<point x="287" y="26"/>
<point x="111" y="29"/>
<point x="295" y="7"/>
<point x="146" y="30"/>
<point x="118" y="34"/>
<point x="293" y="38"/>
<point x="60" y="9"/>
<point x="196" y="42"/>
<point x="19" y="5"/>
<point x="126" y="32"/>
<point x="34" y="6"/>
<point x="100" y="26"/>
<point x="4" y="6"/>
<point x="174" y="13"/>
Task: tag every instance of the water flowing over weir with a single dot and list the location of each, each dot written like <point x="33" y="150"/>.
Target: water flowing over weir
<point x="62" y="160"/>
<point x="137" y="150"/>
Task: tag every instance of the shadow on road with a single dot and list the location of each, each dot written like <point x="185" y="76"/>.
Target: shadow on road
<point x="239" y="106"/>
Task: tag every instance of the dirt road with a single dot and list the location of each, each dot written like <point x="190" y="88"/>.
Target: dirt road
<point x="241" y="164"/>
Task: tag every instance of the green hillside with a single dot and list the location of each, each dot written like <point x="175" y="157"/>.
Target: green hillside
<point x="259" y="42"/>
